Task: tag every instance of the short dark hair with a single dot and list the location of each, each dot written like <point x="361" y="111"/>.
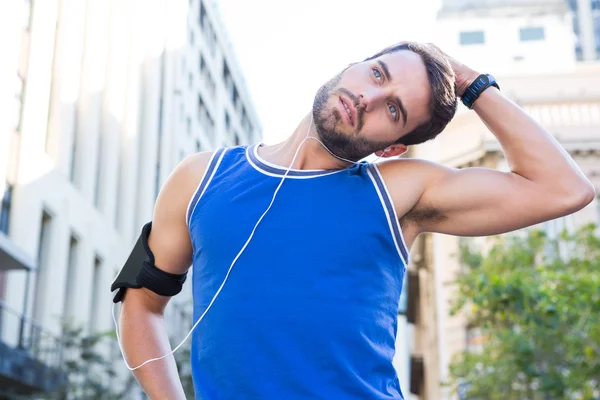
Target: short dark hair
<point x="443" y="101"/>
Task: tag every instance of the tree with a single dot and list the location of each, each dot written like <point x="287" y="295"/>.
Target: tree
<point x="536" y="302"/>
<point x="90" y="365"/>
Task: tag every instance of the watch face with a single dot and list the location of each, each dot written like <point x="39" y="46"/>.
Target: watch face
<point x="484" y="80"/>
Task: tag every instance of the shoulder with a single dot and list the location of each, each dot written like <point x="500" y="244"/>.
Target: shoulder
<point x="407" y="179"/>
<point x="183" y="181"/>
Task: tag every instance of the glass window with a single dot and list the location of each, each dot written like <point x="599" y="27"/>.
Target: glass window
<point x="531" y="34"/>
<point x="202" y="16"/>
<point x="472" y="37"/>
<point x="96" y="290"/>
<point x="5" y="210"/>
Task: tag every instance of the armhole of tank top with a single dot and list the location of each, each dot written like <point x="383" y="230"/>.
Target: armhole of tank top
<point x="390" y="212"/>
<point x="211" y="168"/>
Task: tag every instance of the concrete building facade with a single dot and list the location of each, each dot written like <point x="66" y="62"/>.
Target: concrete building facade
<point x="561" y="93"/>
<point x="106" y="97"/>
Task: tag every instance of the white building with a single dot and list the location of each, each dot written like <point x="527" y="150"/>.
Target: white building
<point x="105" y="98"/>
<point x="513" y="36"/>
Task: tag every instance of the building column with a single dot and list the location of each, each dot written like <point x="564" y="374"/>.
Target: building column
<point x="90" y="107"/>
<point x="11" y="28"/>
<point x="65" y="85"/>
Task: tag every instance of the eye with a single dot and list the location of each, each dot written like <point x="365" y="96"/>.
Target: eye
<point x="377" y="74"/>
<point x="394" y="111"/>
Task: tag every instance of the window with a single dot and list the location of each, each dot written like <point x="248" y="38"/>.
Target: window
<point x="226" y="74"/>
<point x="472" y="37"/>
<point x="202" y="63"/>
<point x="74" y="148"/>
<point x="201" y="107"/>
<point x="206" y="121"/>
<point x="236" y="139"/>
<point x="531" y="34"/>
<point x="597" y="28"/>
<point x="191" y="37"/>
<point x="71" y="278"/>
<point x="227" y="121"/>
<point x="5" y="210"/>
<point x="188" y="124"/>
<point x="235" y="96"/>
<point x="202" y="16"/>
<point x="17" y="111"/>
<point x="198" y="147"/>
<point x="43" y="256"/>
<point x="95" y="301"/>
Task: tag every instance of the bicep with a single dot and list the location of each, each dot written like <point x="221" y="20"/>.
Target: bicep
<point x="481" y="202"/>
<point x="169" y="238"/>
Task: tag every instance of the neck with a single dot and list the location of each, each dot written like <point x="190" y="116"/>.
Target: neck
<point x="312" y="154"/>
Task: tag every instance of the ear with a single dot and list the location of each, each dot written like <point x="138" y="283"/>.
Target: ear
<point x="393" y="150"/>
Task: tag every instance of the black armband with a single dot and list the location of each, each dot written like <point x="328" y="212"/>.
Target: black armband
<point x="139" y="271"/>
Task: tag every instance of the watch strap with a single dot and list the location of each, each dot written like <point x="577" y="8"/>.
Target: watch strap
<point x="475" y="89"/>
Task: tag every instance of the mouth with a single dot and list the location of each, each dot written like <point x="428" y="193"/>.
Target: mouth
<point x="348" y="110"/>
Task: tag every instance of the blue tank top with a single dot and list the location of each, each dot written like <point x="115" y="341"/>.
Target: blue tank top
<point x="309" y="311"/>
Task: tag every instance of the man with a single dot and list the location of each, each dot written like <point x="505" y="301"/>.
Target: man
<point x="308" y="308"/>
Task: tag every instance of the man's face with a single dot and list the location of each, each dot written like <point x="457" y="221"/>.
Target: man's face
<point x="372" y="104"/>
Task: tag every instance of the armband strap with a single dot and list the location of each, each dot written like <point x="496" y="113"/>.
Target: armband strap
<point x="139" y="271"/>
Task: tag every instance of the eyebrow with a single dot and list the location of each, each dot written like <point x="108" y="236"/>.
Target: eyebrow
<point x="386" y="72"/>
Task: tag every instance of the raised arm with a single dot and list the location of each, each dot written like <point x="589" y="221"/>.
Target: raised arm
<point x="544" y="182"/>
<point x="142" y="327"/>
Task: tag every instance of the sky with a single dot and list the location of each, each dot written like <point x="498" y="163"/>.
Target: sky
<point x="288" y="48"/>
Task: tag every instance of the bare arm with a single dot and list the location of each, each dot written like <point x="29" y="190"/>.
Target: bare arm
<point x="142" y="326"/>
<point x="544" y="182"/>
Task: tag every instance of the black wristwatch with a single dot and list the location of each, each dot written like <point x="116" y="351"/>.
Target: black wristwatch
<point x="475" y="89"/>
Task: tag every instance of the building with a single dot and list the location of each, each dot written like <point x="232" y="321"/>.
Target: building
<point x="515" y="36"/>
<point x="106" y="98"/>
<point x="563" y="95"/>
<point x="520" y="35"/>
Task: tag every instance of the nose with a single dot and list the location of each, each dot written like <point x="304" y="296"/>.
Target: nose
<point x="371" y="98"/>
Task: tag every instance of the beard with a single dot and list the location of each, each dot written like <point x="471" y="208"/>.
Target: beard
<point x="354" y="146"/>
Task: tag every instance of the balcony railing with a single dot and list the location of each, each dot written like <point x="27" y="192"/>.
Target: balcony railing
<point x="30" y="356"/>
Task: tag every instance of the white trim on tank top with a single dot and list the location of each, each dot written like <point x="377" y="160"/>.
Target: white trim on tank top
<point x="204" y="181"/>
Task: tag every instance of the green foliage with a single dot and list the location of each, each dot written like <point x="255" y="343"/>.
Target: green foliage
<point x="536" y="302"/>
<point x="90" y="364"/>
